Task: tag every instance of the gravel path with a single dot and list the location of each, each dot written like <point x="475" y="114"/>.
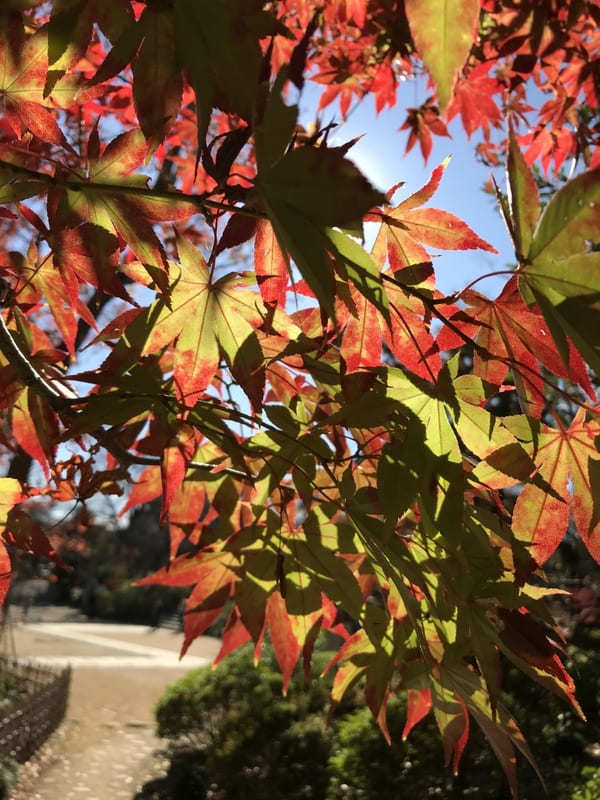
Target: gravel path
<point x="105" y="748"/>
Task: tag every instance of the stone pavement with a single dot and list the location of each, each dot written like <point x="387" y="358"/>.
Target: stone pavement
<point x="105" y="748"/>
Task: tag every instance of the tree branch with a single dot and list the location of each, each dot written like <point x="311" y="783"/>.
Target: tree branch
<point x="31" y="378"/>
<point x="197" y="200"/>
<point x="27" y="372"/>
<point x="154" y="461"/>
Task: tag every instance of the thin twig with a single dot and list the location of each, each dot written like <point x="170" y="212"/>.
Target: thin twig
<point x="154" y="461"/>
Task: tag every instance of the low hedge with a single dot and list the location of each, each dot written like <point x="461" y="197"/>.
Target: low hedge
<point x="233" y="736"/>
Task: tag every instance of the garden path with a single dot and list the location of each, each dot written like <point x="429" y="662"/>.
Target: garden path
<point x="104" y="749"/>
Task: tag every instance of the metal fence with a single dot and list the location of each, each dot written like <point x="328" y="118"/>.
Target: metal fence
<point x="29" y="719"/>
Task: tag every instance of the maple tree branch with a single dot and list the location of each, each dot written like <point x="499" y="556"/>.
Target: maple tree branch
<point x="135" y="191"/>
<point x="154" y="461"/>
<point x="31" y="378"/>
<point x="25" y="369"/>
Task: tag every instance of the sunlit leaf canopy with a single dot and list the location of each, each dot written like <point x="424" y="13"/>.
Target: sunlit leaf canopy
<point x="320" y="421"/>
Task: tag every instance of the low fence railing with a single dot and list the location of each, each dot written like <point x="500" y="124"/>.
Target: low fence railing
<point x="38" y="707"/>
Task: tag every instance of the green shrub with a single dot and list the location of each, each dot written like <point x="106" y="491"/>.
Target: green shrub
<point x="363" y="766"/>
<point x="137" y="604"/>
<point x="244" y="740"/>
<point x="251" y="741"/>
<point x="589" y="789"/>
<point x="12" y="687"/>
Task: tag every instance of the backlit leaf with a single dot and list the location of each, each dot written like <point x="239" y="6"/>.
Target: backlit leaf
<point x="524" y="199"/>
<point x="22" y="78"/>
<point x="5" y="573"/>
<point x="270" y="265"/>
<point x="418" y="706"/>
<point x="11" y="493"/>
<point x="285" y="644"/>
<point x="443" y="31"/>
<point x="540" y="518"/>
<point x="157" y="84"/>
<point x="570" y="220"/>
<point x="207" y="316"/>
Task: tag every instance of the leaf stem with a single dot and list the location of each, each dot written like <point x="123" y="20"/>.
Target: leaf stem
<point x="482" y="278"/>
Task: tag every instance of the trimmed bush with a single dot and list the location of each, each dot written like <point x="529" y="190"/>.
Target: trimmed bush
<point x="251" y="741"/>
<point x="233" y="733"/>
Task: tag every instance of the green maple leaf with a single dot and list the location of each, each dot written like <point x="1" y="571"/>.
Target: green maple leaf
<point x="208" y="317"/>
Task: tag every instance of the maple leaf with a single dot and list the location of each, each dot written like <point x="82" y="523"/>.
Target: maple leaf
<point x="443" y="33"/>
<point x="157" y="83"/>
<point x="224" y="316"/>
<point x="404" y="231"/>
<point x="473" y="99"/>
<point x="287" y="183"/>
<point x="24" y="533"/>
<point x="497" y="724"/>
<point x="285" y="644"/>
<point x="11" y="493"/>
<point x="560" y="271"/>
<point x="419" y="704"/>
<point x="422" y="123"/>
<point x="131" y="217"/>
<point x="35" y="427"/>
<point x="343" y="10"/>
<point x="146" y="488"/>
<point x="70" y="29"/>
<point x="436" y="228"/>
<point x="524" y="198"/>
<point x="23" y="74"/>
<point x="216" y="568"/>
<point x="569" y="221"/>
<point x="201" y="612"/>
<point x="384" y="87"/>
<point x="61" y="293"/>
<point x="511" y="335"/>
<point x="526" y="644"/>
<point x="541" y="516"/>
<point x="504" y="461"/>
<point x="361" y="342"/>
<point x="452" y="719"/>
<point x="409" y="336"/>
<point x="235" y="635"/>
<point x="177" y="454"/>
<point x="5" y="572"/>
<point x="270" y="265"/>
<point x="407" y="227"/>
<point x="218" y="45"/>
